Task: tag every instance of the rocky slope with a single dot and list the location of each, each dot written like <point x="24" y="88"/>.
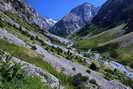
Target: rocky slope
<point x="65" y="66"/>
<point x="76" y="19"/>
<point x="23" y="9"/>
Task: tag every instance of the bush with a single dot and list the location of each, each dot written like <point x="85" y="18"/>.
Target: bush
<point x="33" y="48"/>
<point x="74" y="69"/>
<point x="93" y="81"/>
<point x="9" y="72"/>
<point x="81" y="60"/>
<point x="88" y="71"/>
<point x="93" y="66"/>
<point x="78" y="80"/>
<point x="32" y="38"/>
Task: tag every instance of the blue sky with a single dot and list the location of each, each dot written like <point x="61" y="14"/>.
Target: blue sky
<point x="56" y="9"/>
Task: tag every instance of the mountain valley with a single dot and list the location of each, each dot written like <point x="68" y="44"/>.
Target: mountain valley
<point x="80" y="51"/>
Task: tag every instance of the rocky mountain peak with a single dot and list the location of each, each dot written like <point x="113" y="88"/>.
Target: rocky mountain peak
<point x="86" y="4"/>
<point x="76" y="19"/>
<point x="83" y="9"/>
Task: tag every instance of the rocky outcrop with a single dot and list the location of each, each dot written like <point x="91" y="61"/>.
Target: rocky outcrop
<point x="11" y="38"/>
<point x="76" y="19"/>
<point x="23" y="9"/>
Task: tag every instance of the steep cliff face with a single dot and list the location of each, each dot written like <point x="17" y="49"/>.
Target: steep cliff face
<point x="114" y="12"/>
<point x="23" y="9"/>
<point x="77" y="18"/>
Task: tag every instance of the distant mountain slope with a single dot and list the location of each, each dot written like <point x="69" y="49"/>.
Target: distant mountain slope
<point x="23" y="9"/>
<point x="113" y="12"/>
<point x="99" y="39"/>
<point x="77" y="18"/>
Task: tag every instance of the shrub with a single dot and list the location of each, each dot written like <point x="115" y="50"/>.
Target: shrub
<point x="93" y="66"/>
<point x="93" y="81"/>
<point x="81" y="60"/>
<point x="9" y="72"/>
<point x="88" y="71"/>
<point x="74" y="69"/>
<point x="32" y="38"/>
<point x="78" y="80"/>
<point x="33" y="48"/>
